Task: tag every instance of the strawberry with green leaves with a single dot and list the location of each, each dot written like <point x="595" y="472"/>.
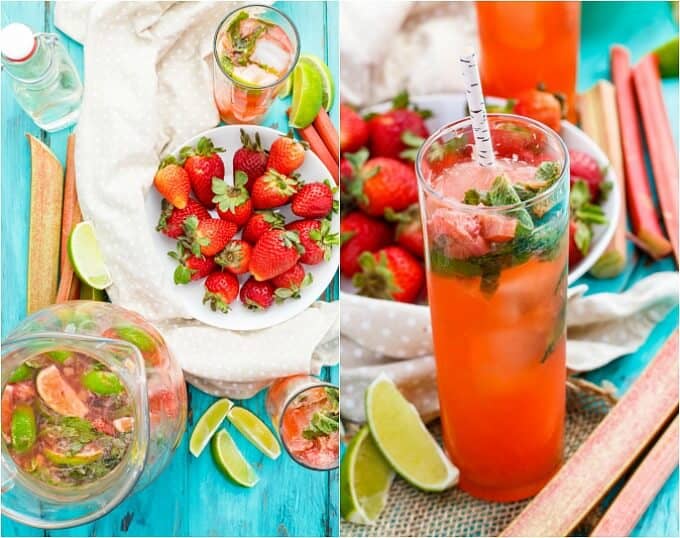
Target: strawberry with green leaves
<point x="273" y="189"/>
<point x="286" y="154"/>
<point x="221" y="289"/>
<point x="171" y="219"/>
<point x="391" y="273"/>
<point x="172" y="182"/>
<point x="409" y="230"/>
<point x="381" y="183"/>
<point x="541" y="106"/>
<point x="584" y="215"/>
<point x="353" y="130"/>
<point x="207" y="237"/>
<point x="257" y="295"/>
<point x="288" y="284"/>
<point x="202" y="163"/>
<point x="233" y="202"/>
<point x="190" y="267"/>
<point x="315" y="200"/>
<point x="316" y="238"/>
<point x="360" y="233"/>
<point x="235" y="257"/>
<point x="260" y="222"/>
<point x="250" y="158"/>
<point x="274" y="253"/>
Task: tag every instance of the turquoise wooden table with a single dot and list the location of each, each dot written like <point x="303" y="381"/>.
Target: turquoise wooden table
<point x="641" y="26"/>
<point x="191" y="497"/>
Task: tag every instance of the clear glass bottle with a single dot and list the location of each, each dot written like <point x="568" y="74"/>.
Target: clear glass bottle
<point x="45" y="81"/>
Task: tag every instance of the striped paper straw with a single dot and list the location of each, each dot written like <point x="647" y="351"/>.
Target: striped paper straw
<point x="475" y="99"/>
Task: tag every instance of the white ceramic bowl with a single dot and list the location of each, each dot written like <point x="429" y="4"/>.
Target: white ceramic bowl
<point x="191" y="295"/>
<point x="447" y="108"/>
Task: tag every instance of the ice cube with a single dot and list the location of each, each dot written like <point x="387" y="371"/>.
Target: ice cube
<point x="269" y="53"/>
<point x="255" y="75"/>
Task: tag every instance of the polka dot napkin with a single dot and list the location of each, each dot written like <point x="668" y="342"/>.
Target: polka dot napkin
<point x="394" y="338"/>
<point x="148" y="87"/>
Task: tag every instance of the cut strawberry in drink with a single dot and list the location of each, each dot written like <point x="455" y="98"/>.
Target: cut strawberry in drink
<point x="458" y="233"/>
<point x="497" y="228"/>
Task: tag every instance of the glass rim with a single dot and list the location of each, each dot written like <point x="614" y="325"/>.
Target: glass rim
<point x="319" y="383"/>
<point x="523" y="204"/>
<point x="292" y="65"/>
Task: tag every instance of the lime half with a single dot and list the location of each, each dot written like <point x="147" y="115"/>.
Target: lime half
<point x="307" y="95"/>
<point x="253" y="429"/>
<point x="86" y="257"/>
<point x="231" y="462"/>
<point x="365" y="480"/>
<point x="404" y="440"/>
<point x="207" y="425"/>
<point x="327" y="82"/>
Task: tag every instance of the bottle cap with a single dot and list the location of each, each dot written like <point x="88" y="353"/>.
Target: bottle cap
<point x="17" y="42"/>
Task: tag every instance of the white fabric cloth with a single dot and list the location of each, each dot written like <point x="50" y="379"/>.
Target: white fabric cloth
<point x="395" y="339"/>
<point x="148" y="87"/>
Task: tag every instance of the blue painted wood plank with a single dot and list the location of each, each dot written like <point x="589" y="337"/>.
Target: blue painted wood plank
<point x="191" y="497"/>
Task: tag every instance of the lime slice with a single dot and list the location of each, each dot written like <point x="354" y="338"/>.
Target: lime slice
<point x="23" y="428"/>
<point x="365" y="480"/>
<point x="287" y="87"/>
<point x="58" y="395"/>
<point x="327" y="82"/>
<point x="255" y="431"/>
<point x="81" y="458"/>
<point x="88" y="293"/>
<point x="231" y="462"/>
<point x="404" y="440"/>
<point x="667" y="55"/>
<point x="207" y="425"/>
<point x="307" y="95"/>
<point x="86" y="258"/>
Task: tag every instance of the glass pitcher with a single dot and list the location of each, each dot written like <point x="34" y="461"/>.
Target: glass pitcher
<point x="93" y="407"/>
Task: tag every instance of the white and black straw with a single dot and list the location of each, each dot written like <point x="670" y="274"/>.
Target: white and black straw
<point x="475" y="99"/>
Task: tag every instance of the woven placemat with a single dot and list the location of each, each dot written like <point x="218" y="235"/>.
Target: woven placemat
<point x="411" y="512"/>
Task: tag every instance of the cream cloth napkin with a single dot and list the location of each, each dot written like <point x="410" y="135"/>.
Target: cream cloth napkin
<point x="395" y="338"/>
<point x="148" y="87"/>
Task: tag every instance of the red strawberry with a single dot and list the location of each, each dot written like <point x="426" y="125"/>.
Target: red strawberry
<point x="353" y="130"/>
<point x="250" y="158"/>
<point x="289" y="283"/>
<point x="316" y="239"/>
<point x="261" y="222"/>
<point x="103" y="426"/>
<point x="221" y="289"/>
<point x="202" y="163"/>
<point x="585" y="167"/>
<point x="512" y="138"/>
<point x="409" y="230"/>
<point x="441" y="156"/>
<point x="273" y="189"/>
<point x="163" y="401"/>
<point x="540" y="106"/>
<point x="345" y="172"/>
<point x="172" y="181"/>
<point x="274" y="253"/>
<point x="207" y="237"/>
<point x="314" y="200"/>
<point x="286" y="154"/>
<point x="233" y="203"/>
<point x="391" y="273"/>
<point x="171" y="219"/>
<point x="388" y="131"/>
<point x="360" y="233"/>
<point x="191" y="267"/>
<point x="381" y="183"/>
<point x="257" y="295"/>
<point x="235" y="257"/>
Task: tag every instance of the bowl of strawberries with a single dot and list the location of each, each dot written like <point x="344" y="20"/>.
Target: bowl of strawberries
<point x="247" y="226"/>
<point x="382" y="242"/>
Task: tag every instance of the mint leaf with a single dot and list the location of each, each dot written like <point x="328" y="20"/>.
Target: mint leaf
<point x="583" y="236"/>
<point x="591" y="214"/>
<point x="503" y="193"/>
<point x="323" y="423"/>
<point x="548" y="172"/>
<point x="579" y="195"/>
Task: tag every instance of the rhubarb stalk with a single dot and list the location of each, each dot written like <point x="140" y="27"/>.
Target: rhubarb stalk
<point x="646" y="228"/>
<point x="600" y="121"/>
<point x="660" y="144"/>
<point x="47" y="186"/>
<point x="641" y="488"/>
<point x="607" y="453"/>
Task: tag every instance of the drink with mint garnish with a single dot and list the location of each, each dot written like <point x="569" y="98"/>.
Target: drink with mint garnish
<point x="496" y="252"/>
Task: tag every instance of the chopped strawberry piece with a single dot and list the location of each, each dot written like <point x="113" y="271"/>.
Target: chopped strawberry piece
<point x="497" y="228"/>
<point x="459" y="233"/>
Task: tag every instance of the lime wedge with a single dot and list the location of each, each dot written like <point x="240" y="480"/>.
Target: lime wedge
<point x="667" y="55"/>
<point x="365" y="480"/>
<point x="86" y="258"/>
<point x="327" y="82"/>
<point x="287" y="87"/>
<point x="255" y="431"/>
<point x="307" y="95"/>
<point x="207" y="425"/>
<point x="404" y="440"/>
<point x="231" y="462"/>
<point x="88" y="293"/>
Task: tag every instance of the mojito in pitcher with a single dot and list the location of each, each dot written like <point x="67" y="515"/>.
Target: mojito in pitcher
<point x="496" y="249"/>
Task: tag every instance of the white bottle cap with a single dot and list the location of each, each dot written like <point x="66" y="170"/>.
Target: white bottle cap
<point x="16" y="41"/>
